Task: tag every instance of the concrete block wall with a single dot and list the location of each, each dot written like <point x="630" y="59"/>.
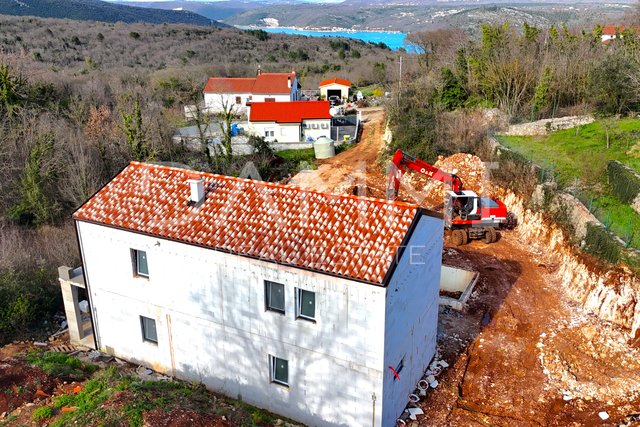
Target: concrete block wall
<point x="411" y="315"/>
<point x="213" y="327"/>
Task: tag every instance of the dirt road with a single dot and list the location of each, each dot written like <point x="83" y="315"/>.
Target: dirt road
<point x="521" y="354"/>
<point x="354" y="171"/>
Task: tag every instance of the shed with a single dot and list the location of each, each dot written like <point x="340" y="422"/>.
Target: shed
<point x="335" y="87"/>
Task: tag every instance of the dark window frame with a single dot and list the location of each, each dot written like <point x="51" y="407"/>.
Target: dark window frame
<point x="273" y="369"/>
<point x="299" y="314"/>
<point x="136" y="264"/>
<point x="145" y="332"/>
<point x="267" y="297"/>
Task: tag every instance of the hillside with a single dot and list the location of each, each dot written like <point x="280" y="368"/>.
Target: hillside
<point x="420" y="17"/>
<point x="96" y="10"/>
<point x="218" y="10"/>
<point x="98" y="48"/>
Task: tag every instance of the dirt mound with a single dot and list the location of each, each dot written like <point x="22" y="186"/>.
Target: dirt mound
<point x="603" y="368"/>
<point x="430" y="193"/>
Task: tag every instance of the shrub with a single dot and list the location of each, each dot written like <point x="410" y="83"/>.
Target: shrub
<point x="624" y="181"/>
<point x="600" y="243"/>
<point x="25" y="298"/>
<point x="134" y="35"/>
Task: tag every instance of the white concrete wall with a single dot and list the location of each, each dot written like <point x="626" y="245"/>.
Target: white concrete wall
<point x="213" y="327"/>
<point x="308" y="131"/>
<point x="283" y="132"/>
<point x="334" y="86"/>
<point x="215" y="102"/>
<point x="412" y="315"/>
<point x="278" y="97"/>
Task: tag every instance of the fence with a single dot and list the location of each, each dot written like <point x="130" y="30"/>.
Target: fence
<point x="617" y="217"/>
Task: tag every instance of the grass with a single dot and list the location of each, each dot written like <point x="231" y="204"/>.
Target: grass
<point x="301" y="155"/>
<point x="583" y="156"/>
<point x="367" y="91"/>
<point x="61" y="365"/>
<point x="42" y="413"/>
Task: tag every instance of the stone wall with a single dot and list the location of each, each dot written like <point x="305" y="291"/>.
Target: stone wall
<point x="542" y="127"/>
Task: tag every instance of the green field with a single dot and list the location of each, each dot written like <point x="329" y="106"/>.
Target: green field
<point x="580" y="156"/>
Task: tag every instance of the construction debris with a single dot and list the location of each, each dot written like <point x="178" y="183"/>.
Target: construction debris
<point x="603" y="415"/>
<point x="430" y="193"/>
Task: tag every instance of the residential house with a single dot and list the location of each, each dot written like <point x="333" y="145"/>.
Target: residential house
<point x="611" y="32"/>
<point x="290" y="122"/>
<point x="335" y="87"/>
<point x="319" y="307"/>
<point x="226" y="93"/>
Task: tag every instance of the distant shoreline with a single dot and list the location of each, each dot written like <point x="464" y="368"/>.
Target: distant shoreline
<point x="319" y="29"/>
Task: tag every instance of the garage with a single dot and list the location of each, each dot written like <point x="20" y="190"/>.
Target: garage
<point x="335" y="87"/>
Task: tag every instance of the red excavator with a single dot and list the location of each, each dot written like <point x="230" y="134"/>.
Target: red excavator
<point x="466" y="214"/>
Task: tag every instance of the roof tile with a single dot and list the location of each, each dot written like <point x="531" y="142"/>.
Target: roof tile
<point x="350" y="236"/>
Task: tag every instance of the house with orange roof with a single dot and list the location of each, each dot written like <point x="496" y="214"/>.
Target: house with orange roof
<point x="611" y="32"/>
<point x="316" y="306"/>
<point x="233" y="93"/>
<point x="291" y="122"/>
<point x="335" y="87"/>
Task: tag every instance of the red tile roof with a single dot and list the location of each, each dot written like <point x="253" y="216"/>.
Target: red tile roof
<point x="349" y="236"/>
<point x="612" y="30"/>
<point x="289" y="112"/>
<point x="264" y="84"/>
<point x="342" y="82"/>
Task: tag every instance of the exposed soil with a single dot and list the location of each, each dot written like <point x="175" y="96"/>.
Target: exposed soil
<point x="353" y="171"/>
<point x="20" y="383"/>
<point x="522" y="353"/>
<point x="181" y="418"/>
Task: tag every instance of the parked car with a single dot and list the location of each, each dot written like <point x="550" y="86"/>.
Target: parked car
<point x="335" y="100"/>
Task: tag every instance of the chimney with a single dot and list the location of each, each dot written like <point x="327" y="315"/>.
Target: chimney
<point x="293" y="71"/>
<point x="289" y="82"/>
<point x="259" y="69"/>
<point x="197" y="191"/>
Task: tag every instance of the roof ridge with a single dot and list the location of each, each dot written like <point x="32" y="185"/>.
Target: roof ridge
<point x="278" y="185"/>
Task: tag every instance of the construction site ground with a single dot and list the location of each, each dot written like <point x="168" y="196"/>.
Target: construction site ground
<point x="521" y="354"/>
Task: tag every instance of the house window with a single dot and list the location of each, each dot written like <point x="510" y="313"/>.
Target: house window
<point x="140" y="266"/>
<point x="149" y="332"/>
<point x="269" y="100"/>
<point x="305" y="304"/>
<point x="269" y="133"/>
<point x="238" y="100"/>
<point x="324" y="126"/>
<point x="274" y="293"/>
<point x="279" y="370"/>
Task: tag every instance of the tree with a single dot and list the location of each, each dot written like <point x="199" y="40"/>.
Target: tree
<point x="613" y="82"/>
<point x="35" y="204"/>
<point x="227" y="114"/>
<point x="135" y="132"/>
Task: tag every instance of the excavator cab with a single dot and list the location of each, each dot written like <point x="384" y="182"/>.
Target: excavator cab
<point x="464" y="205"/>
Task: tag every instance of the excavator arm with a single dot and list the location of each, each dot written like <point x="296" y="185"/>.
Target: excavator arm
<point x="402" y="161"/>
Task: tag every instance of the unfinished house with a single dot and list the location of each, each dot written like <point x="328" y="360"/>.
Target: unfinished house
<point x="319" y="307"/>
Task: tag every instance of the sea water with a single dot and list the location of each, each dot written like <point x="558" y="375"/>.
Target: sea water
<point x="395" y="40"/>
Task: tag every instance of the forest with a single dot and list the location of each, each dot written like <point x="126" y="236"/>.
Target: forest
<point x="79" y="100"/>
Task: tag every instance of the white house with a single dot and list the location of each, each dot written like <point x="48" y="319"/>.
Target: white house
<point x="225" y="93"/>
<point x="335" y="87"/>
<point x="303" y="303"/>
<point x="290" y="122"/>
